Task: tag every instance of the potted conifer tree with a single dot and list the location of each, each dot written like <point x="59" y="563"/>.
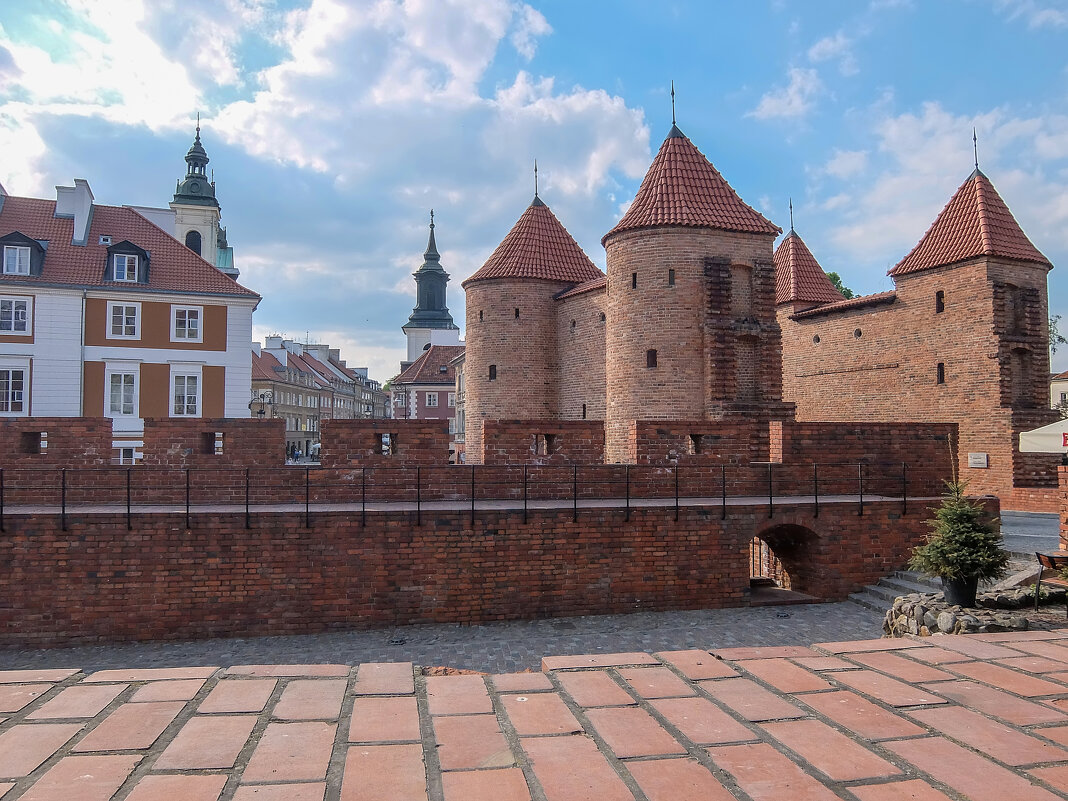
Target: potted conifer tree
<point x="962" y="549"/>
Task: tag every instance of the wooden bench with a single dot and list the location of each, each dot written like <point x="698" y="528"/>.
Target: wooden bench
<point x="1050" y="561"/>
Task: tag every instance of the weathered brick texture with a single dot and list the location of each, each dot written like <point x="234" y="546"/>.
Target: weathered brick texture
<point x="543" y="442"/>
<point x="55" y="442"/>
<point x="581" y="324"/>
<point x="365" y="443"/>
<point x="179" y="443"/>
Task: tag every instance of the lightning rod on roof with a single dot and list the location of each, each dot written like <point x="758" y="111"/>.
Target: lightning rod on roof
<point x="672" y="102"/>
<point x="975" y="148"/>
<point x="535" y="177"/>
<point x="791" y="214"/>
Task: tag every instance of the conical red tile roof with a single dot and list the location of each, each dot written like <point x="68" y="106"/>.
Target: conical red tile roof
<point x="538" y="246"/>
<point x="683" y="188"/>
<point x="799" y="277"/>
<point x="975" y="222"/>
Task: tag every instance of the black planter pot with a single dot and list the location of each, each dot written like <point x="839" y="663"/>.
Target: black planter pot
<point x="960" y="592"/>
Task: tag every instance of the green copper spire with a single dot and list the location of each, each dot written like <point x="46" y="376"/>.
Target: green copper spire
<point x="196" y="189"/>
<point x="430" y="280"/>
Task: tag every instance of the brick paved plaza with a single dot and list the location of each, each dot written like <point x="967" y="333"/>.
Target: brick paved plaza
<point x="982" y="717"/>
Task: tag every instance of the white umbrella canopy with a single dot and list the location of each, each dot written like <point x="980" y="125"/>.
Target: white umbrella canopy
<point x="1047" y="439"/>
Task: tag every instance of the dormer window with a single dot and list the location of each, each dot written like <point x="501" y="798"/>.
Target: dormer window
<point x="16" y="260"/>
<point x="127" y="263"/>
<point x="125" y="266"/>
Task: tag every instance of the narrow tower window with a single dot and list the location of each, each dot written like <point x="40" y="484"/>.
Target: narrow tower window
<point x="650" y="357"/>
<point x="633" y="280"/>
<point x="671" y="278"/>
<point x="940" y="301"/>
<point x="193" y="241"/>
<point x="517" y="312"/>
<point x="493" y="372"/>
<point x="584" y="411"/>
<point x="941" y="378"/>
<point x="480" y="317"/>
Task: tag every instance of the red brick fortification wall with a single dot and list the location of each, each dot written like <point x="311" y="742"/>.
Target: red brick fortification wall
<point x="1062" y="480"/>
<point x="991" y="337"/>
<point x="195" y="443"/>
<point x="1038" y="499"/>
<point x="346" y="443"/>
<point x="55" y="442"/>
<point x="704" y="359"/>
<point x="698" y="442"/>
<point x="544" y="442"/>
<point x="580" y="333"/>
<point x="161" y="581"/>
<point x="521" y="349"/>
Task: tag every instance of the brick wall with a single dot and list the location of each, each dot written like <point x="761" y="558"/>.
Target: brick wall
<point x="163" y="581"/>
<point x="1062" y="482"/>
<point x="697" y="442"/>
<point x="543" y="442"/>
<point x="580" y="336"/>
<point x="180" y="443"/>
<point x="55" y="442"/>
<point x="360" y="443"/>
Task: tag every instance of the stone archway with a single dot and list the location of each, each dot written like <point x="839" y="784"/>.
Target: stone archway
<point x="765" y="567"/>
<point x="794" y="546"/>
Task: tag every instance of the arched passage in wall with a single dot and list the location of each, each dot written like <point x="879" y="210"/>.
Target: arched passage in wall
<point x="765" y="567"/>
<point x="793" y="546"/>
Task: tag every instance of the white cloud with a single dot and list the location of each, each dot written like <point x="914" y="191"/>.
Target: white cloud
<point x="838" y="47"/>
<point x="794" y="100"/>
<point x="531" y="25"/>
<point x="1036" y="14"/>
<point x="846" y="163"/>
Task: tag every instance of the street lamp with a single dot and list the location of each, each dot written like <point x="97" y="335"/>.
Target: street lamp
<point x="264" y="399"/>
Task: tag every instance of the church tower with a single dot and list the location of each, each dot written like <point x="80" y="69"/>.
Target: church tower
<point x="430" y="322"/>
<point x="197" y="212"/>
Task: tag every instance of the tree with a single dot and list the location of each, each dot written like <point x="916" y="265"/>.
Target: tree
<point x="836" y="279"/>
<point x="962" y="544"/>
<point x="1056" y="339"/>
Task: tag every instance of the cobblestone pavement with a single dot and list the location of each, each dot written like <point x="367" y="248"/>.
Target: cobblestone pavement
<point x="976" y="717"/>
<point x="1027" y="532"/>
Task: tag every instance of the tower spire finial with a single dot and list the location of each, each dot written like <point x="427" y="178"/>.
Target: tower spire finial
<point x="673" y="102"/>
<point x="791" y="215"/>
<point x="431" y="218"/>
<point x="198" y="126"/>
<point x="975" y="148"/>
<point x="535" y="177"/>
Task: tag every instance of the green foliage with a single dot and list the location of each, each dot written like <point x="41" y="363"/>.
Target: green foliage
<point x="1056" y="339"/>
<point x="836" y="279"/>
<point x="961" y="544"/>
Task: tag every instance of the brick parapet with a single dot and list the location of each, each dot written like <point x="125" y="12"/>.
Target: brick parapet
<point x="213" y="443"/>
<point x="55" y="442"/>
<point x="543" y="442"/>
<point x="384" y="443"/>
<point x="1062" y="489"/>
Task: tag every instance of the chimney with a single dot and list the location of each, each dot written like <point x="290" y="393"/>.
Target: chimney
<point x="76" y="203"/>
<point x="256" y="348"/>
<point x="272" y="343"/>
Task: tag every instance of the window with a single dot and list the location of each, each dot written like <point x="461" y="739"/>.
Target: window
<point x="122" y="394"/>
<point x="671" y="278"/>
<point x="14" y="315"/>
<point x="452" y="425"/>
<point x="1064" y="397"/>
<point x="480" y="317"/>
<point x="185" y="324"/>
<point x="431" y="399"/>
<point x="633" y="280"/>
<point x="123" y="324"/>
<point x="193" y="241"/>
<point x="186" y="396"/>
<point x="517" y="312"/>
<point x="127" y="456"/>
<point x="12" y="391"/>
<point x="493" y="372"/>
<point x="940" y="301"/>
<point x="125" y="267"/>
<point x="941" y="373"/>
<point x="16" y="260"/>
<point x="650" y="358"/>
<point x="584" y="411"/>
<point x="452" y="399"/>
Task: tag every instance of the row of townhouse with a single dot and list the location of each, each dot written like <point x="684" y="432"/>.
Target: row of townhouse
<point x="103" y="312"/>
<point x="305" y="384"/>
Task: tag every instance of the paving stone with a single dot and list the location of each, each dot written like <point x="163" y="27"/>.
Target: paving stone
<point x="159" y="787"/>
<point x="386" y="719"/>
<point x="702" y="721"/>
<point x="823" y="663"/>
<point x="977" y="649"/>
<point x="152" y="674"/>
<point x="14" y="697"/>
<point x="883" y="688"/>
<point x="989" y="737"/>
<point x="466" y="742"/>
<point x="35" y="675"/>
<point x="901" y="667"/>
<point x="863" y="646"/>
<point x="25" y="747"/>
<point x="829" y="751"/>
<point x="457" y="695"/>
<point x="655" y="682"/>
<point x="998" y="704"/>
<point x="507" y="784"/>
<point x="311" y="699"/>
<point x="1009" y="680"/>
<point x="311" y="791"/>
<point x="1053" y="650"/>
<point x="208" y="742"/>
<point x="79" y="701"/>
<point x="539" y="713"/>
<point x="765" y="652"/>
<point x="288" y="671"/>
<point x="291" y="752"/>
<point x="131" y="727"/>
<point x="378" y="678"/>
<point x="912" y="790"/>
<point x="675" y="779"/>
<point x="5" y="786"/>
<point x="238" y="695"/>
<point x="590" y="688"/>
<point x="1018" y="636"/>
<point x="1059" y="734"/>
<point x="767" y="775"/>
<point x="595" y="661"/>
<point x="977" y="778"/>
<point x="784" y="675"/>
<point x="861" y="716"/>
<point x="523" y="682"/>
<point x="633" y="732"/>
<point x="697" y="665"/>
<point x="179" y="690"/>
<point x="1056" y="775"/>
<point x="570" y="768"/>
<point x="750" y="700"/>
<point x="378" y="772"/>
<point x="86" y="778"/>
<point x="937" y="656"/>
<point x="1035" y="664"/>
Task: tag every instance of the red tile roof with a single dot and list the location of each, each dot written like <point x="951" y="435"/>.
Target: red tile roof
<point x="683" y="188"/>
<point x="845" y="305"/>
<point x="172" y="267"/>
<point x="427" y="368"/>
<point x="975" y="222"/>
<point x="799" y="277"/>
<point x="263" y="367"/>
<point x="587" y="286"/>
<point x="538" y="246"/>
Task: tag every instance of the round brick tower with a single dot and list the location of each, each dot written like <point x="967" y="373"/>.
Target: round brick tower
<point x="691" y="330"/>
<point x="510" y="364"/>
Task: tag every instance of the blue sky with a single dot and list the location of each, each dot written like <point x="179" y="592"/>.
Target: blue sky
<point x="335" y="126"/>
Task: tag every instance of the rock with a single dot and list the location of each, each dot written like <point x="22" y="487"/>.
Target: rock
<point x="925" y="631"/>
<point x="947" y="621"/>
<point x="930" y="620"/>
<point x="1018" y="622"/>
<point x="918" y="613"/>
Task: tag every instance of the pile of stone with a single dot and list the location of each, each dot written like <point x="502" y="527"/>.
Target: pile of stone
<point x="925" y="614"/>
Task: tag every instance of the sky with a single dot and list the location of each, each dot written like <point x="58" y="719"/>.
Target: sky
<point x="334" y="126"/>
